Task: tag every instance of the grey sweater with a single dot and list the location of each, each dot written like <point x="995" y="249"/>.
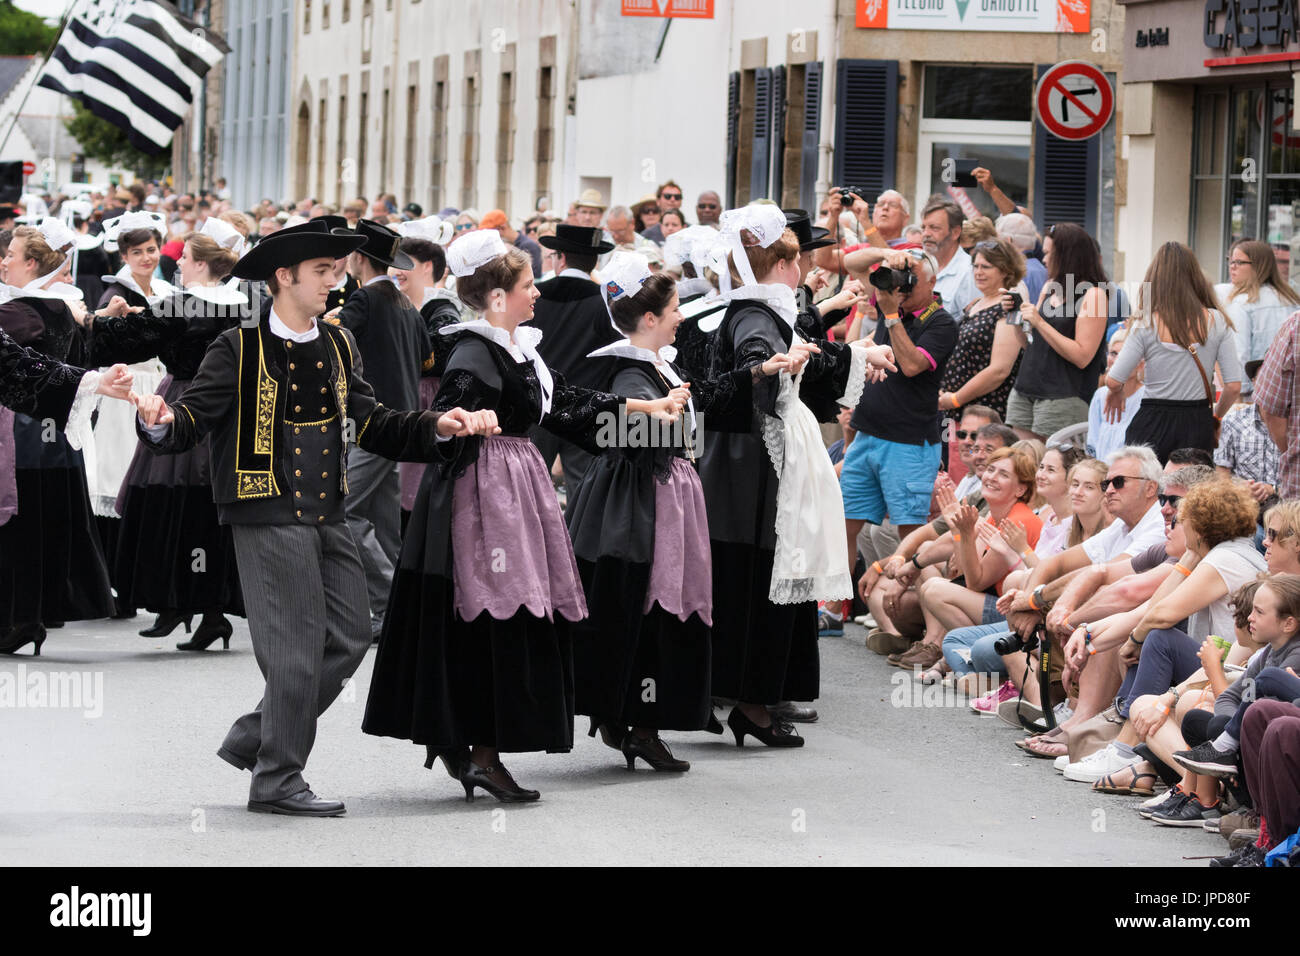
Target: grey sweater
<point x="1226" y="704"/>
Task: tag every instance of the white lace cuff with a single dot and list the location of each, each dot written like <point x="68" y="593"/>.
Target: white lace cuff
<point x="857" y="375"/>
<point x="78" y="430"/>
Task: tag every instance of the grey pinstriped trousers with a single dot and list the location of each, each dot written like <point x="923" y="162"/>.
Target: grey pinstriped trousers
<point x="305" y="593"/>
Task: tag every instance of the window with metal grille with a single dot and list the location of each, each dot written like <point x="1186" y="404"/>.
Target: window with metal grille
<point x="866" y="124"/>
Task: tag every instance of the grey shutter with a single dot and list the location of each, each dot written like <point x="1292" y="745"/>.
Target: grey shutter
<point x="733" y="135"/>
<point x="812" y="116"/>
<point x="866" y="124"/>
<point x="778" y="134"/>
<point x="1067" y="178"/>
<point x="762" y="143"/>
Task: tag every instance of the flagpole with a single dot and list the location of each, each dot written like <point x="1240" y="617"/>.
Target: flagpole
<point x="63" y="25"/>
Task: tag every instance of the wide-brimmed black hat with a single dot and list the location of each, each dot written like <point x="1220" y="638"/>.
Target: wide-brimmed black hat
<point x="288" y="247"/>
<point x="382" y="244"/>
<point x="577" y="239"/>
<point x="332" y="221"/>
<point x="810" y="236"/>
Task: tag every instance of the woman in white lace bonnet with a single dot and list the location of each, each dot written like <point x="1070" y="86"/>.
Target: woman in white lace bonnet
<point x="765" y="653"/>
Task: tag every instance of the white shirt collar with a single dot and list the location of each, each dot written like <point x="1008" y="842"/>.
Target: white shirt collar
<point x="158" y="288"/>
<point x="960" y="260"/>
<point x="280" y="330"/>
<point x="223" y="293"/>
<point x="383" y="278"/>
<point x="777" y="296"/>
<point x="522" y="349"/>
<point x="576" y="274"/>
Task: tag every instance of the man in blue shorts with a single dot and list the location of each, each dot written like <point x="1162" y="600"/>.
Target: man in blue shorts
<point x="890" y="467"/>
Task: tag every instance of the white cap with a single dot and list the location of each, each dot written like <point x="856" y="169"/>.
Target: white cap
<point x="474" y="249"/>
<point x="435" y="230"/>
<point x="225" y="235"/>
<point x="624" y="274"/>
<point x="133" y="220"/>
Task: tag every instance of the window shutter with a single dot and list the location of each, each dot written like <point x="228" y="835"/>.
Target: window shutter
<point x="812" y="116"/>
<point x="733" y="134"/>
<point x="1067" y="179"/>
<point x="778" y="133"/>
<point x="866" y="124"/>
<point x="762" y="152"/>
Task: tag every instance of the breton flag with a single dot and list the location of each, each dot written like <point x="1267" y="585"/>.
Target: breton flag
<point x="136" y="63"/>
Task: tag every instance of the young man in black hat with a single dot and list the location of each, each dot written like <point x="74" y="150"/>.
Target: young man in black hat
<point x="279" y="400"/>
<point x="574" y="321"/>
<point x="395" y="348"/>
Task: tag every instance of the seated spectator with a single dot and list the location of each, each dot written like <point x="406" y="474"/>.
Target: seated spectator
<point x="1270" y="747"/>
<point x="981" y="558"/>
<point x="1106" y="436"/>
<point x="887" y="586"/>
<point x="973" y="418"/>
<point x="1218" y="521"/>
<point x="1246" y="451"/>
<point x="672" y="220"/>
<point x="1282" y="538"/>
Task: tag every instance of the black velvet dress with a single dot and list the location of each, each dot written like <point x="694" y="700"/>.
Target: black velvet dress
<point x="33" y="384"/>
<point x="633" y="666"/>
<point x="172" y="553"/>
<point x="52" y="568"/>
<point x="503" y="680"/>
<point x="763" y="653"/>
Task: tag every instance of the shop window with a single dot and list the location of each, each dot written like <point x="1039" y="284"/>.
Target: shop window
<point x="1246" y="175"/>
<point x="978" y="113"/>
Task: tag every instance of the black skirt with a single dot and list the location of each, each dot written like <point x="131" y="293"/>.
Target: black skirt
<point x="1166" y="426"/>
<point x="763" y="653"/>
<point x="172" y="553"/>
<point x="634" y="669"/>
<point x="445" y="682"/>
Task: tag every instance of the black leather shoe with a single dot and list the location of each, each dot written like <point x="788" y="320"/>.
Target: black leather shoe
<point x="789" y="710"/>
<point x="654" y="752"/>
<point x="208" y="633"/>
<point x="610" y="735"/>
<point x="19" y="636"/>
<point x="453" y="759"/>
<point x="507" y="791"/>
<point x="166" y="622"/>
<point x="301" y="804"/>
<point x="779" y="733"/>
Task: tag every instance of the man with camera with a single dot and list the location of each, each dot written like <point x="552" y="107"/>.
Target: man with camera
<point x="882" y="226"/>
<point x="891" y="467"/>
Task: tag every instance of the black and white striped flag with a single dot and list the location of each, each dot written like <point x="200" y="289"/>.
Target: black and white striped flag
<point x="135" y="63"/>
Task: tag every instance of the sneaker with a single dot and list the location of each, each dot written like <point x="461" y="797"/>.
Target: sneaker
<point x="1008" y="709"/>
<point x="866" y="620"/>
<point x="1248" y="855"/>
<point x="1060" y="763"/>
<point x="1242" y="836"/>
<point x="1095" y="766"/>
<point x="987" y="706"/>
<point x="1162" y="802"/>
<point x="1062" y="712"/>
<point x="1203" y="758"/>
<point x="1188" y="813"/>
<point x="1239" y="819"/>
<point x="828" y="626"/>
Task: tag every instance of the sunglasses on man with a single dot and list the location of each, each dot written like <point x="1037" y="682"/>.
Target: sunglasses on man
<point x="1118" y="481"/>
<point x="1171" y="501"/>
<point x="671" y="196"/>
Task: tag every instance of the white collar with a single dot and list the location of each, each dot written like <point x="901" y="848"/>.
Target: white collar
<point x="434" y="292"/>
<point x="384" y="278"/>
<point x="282" y="331"/>
<point x="576" y="274"/>
<point x="522" y="349"/>
<point x="160" y="289"/>
<point x="660" y="360"/>
<point x="777" y="296"/>
<point x="223" y="293"/>
<point x="960" y="259"/>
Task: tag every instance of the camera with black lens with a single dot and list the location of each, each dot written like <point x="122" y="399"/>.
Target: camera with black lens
<point x="1011" y="642"/>
<point x="901" y="281"/>
<point x="849" y="193"/>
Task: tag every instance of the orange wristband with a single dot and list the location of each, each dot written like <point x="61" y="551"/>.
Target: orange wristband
<point x="956" y="537"/>
<point x="1032" y="603"/>
<point x="1182" y="570"/>
<point x="875" y="566"/>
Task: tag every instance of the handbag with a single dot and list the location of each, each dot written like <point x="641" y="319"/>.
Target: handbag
<point x="1209" y="390"/>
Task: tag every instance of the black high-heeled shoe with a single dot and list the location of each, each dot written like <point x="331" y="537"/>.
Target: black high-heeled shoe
<point x="714" y="726"/>
<point x="654" y="752"/>
<point x="472" y="775"/>
<point x="20" y="636"/>
<point x="453" y="760"/>
<point x="166" y="622"/>
<point x="612" y="736"/>
<point x="208" y="632"/>
<point x="780" y="733"/>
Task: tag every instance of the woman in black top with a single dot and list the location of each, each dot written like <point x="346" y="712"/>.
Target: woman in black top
<point x="166" y="503"/>
<point x="137" y="236"/>
<point x="1066" y="355"/>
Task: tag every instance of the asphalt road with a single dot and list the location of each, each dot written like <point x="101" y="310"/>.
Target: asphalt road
<point x="129" y="776"/>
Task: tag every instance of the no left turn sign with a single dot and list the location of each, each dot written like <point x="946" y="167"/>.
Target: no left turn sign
<point x="1074" y="100"/>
